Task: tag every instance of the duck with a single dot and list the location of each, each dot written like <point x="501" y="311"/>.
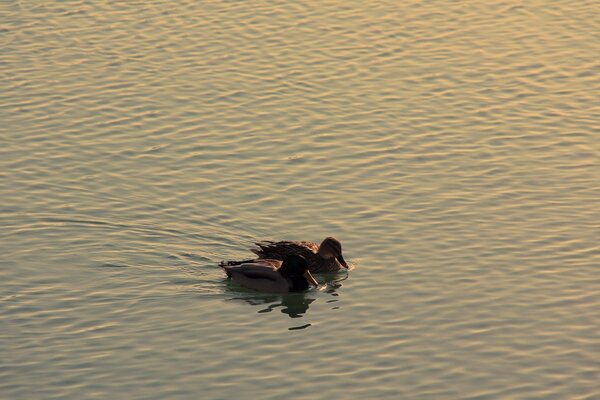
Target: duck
<point x="273" y="276"/>
<point x="326" y="257"/>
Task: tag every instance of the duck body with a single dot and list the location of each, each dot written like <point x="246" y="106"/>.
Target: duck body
<point x="273" y="276"/>
<point x="326" y="257"/>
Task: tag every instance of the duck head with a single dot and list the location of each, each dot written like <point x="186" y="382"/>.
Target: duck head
<point x="295" y="269"/>
<point x="332" y="248"/>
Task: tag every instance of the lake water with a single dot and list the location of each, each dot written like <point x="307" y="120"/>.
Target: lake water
<point x="452" y="147"/>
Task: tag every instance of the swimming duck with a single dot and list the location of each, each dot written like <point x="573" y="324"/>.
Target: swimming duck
<point x="275" y="276"/>
<point x="326" y="257"/>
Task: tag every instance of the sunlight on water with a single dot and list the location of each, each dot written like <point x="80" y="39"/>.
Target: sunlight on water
<point x="452" y="147"/>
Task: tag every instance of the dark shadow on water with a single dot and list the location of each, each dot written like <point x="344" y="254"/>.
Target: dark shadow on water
<point x="295" y="328"/>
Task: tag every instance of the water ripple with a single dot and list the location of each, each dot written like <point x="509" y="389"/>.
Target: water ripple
<point x="451" y="147"/>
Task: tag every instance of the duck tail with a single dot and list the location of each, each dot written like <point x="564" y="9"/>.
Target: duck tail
<point x="263" y="248"/>
<point x="232" y="263"/>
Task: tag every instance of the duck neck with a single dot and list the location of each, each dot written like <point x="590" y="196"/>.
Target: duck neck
<point x="322" y="256"/>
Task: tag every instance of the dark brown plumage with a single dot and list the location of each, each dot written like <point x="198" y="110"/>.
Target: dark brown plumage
<point x="326" y="257"/>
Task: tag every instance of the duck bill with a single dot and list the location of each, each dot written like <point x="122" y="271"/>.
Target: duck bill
<point x="310" y="278"/>
<point x="342" y="261"/>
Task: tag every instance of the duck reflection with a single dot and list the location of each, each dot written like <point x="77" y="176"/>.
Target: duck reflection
<point x="295" y="305"/>
<point x="333" y="282"/>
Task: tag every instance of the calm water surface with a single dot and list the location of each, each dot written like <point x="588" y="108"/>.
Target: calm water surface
<point x="452" y="147"/>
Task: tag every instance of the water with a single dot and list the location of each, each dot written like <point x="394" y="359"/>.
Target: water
<point x="453" y="148"/>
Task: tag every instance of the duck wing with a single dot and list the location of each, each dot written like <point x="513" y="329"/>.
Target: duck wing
<point x="261" y="276"/>
<point x="280" y="250"/>
<point x="266" y="267"/>
<point x="275" y="264"/>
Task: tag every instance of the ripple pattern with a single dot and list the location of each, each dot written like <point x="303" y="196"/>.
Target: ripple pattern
<point x="453" y="148"/>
